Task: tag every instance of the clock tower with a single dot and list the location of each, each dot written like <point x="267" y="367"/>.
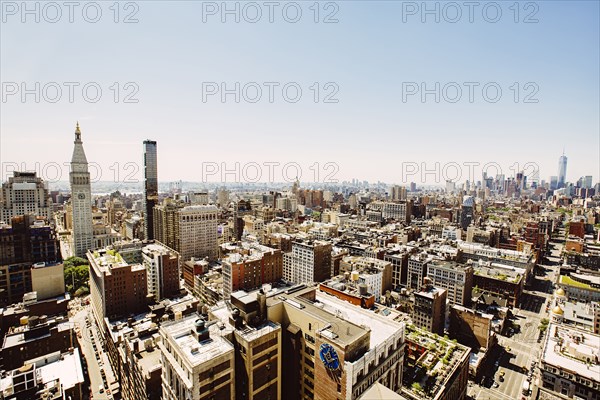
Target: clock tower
<point x="81" y="200"/>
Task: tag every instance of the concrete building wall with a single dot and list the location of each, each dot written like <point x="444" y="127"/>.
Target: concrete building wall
<point x="48" y="281"/>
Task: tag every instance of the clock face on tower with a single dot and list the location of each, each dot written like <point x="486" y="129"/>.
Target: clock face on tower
<point x="329" y="356"/>
<point x="81" y="196"/>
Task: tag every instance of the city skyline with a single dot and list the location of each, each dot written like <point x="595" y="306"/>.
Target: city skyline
<point x="434" y="174"/>
<point x="349" y="200"/>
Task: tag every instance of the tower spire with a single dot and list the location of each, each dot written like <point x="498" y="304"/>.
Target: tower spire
<point x="77" y="132"/>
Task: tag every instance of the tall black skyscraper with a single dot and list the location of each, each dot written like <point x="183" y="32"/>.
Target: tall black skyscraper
<point x="150" y="186"/>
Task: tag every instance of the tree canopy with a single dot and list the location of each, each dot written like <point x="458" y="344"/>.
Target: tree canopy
<point x="76" y="276"/>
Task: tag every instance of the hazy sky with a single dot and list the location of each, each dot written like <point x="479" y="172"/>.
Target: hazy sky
<point x="374" y="61"/>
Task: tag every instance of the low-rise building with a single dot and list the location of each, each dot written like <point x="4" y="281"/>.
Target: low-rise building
<point x="581" y="315"/>
<point x="37" y="337"/>
<point x="499" y="279"/>
<point x="191" y="268"/>
<point x="374" y="273"/>
<point x="470" y="327"/>
<point x="435" y="368"/>
<point x="569" y="364"/>
<point x="54" y="376"/>
<point x="580" y="287"/>
<point x="349" y="290"/>
<point x="249" y="266"/>
<point x="209" y="287"/>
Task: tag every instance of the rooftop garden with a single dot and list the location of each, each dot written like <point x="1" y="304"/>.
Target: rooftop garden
<point x="431" y="368"/>
<point x="567" y="280"/>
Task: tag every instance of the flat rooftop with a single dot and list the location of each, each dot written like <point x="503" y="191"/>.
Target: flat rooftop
<point x="157" y="249"/>
<point x="339" y="329"/>
<point x="568" y="349"/>
<point x="593" y="280"/>
<point x="499" y="271"/>
<point x="106" y="260"/>
<point x="430" y="292"/>
<point x="17" y="337"/>
<point x="149" y="359"/>
<point x="67" y="370"/>
<point x="581" y="313"/>
<point x="196" y="352"/>
<point x="482" y="249"/>
<point x="249" y="333"/>
<point x="380" y="327"/>
<point x="450" y="265"/>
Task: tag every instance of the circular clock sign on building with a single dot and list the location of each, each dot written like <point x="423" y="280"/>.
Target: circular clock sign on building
<point x="329" y="357"/>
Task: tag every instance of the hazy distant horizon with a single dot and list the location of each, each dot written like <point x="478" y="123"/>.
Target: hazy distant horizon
<point x="365" y="86"/>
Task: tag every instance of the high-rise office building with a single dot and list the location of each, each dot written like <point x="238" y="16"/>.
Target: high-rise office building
<point x="198" y="232"/>
<point x="399" y="211"/>
<point x="585" y="182"/>
<point x="429" y="311"/>
<point x="199" y="198"/>
<point x="166" y="223"/>
<point x="562" y="170"/>
<point x="450" y="186"/>
<point x="456" y="279"/>
<point x="117" y="288"/>
<point x="258" y="343"/>
<point x="190" y="230"/>
<point x="162" y="271"/>
<point x="308" y="262"/>
<point x="417" y="270"/>
<point x="81" y="199"/>
<point x="150" y="186"/>
<point x="222" y="197"/>
<point x="25" y="193"/>
<point x="23" y="243"/>
<point x="250" y="266"/>
<point x="197" y="362"/>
